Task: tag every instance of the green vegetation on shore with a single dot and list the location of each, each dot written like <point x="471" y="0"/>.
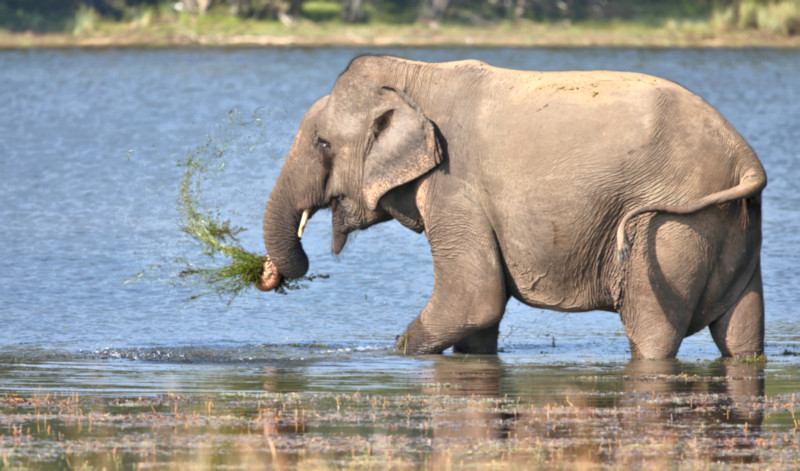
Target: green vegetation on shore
<point x="102" y="23"/>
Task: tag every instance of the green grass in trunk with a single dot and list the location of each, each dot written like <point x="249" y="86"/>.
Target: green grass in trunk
<point x="216" y="239"/>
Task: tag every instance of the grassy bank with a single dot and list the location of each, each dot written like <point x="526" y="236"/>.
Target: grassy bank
<point x="186" y="30"/>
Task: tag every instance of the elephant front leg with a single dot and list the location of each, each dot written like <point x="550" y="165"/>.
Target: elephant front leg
<point x="469" y="295"/>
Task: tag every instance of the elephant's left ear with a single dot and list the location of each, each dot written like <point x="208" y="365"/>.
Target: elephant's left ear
<point x="403" y="146"/>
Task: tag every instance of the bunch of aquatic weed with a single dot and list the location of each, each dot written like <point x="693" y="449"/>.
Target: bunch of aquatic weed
<point x="217" y="238"/>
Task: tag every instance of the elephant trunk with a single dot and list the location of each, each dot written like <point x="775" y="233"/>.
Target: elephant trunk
<point x="281" y="222"/>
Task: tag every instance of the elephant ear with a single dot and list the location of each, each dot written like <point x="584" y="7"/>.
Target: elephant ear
<point x="403" y="146"/>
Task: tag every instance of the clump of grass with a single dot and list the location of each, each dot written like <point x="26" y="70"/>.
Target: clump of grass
<point x="214" y="238"/>
<point x="759" y="359"/>
<point x="217" y="238"/>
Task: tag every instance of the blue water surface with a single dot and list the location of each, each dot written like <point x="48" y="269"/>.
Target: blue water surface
<point x="89" y="146"/>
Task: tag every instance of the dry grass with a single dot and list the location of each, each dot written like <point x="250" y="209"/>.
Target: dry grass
<point x="643" y="415"/>
<point x="363" y="431"/>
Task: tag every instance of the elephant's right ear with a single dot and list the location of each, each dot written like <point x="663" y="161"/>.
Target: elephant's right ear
<point x="403" y="146"/>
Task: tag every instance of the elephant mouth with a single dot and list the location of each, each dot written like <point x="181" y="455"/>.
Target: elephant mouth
<point x="339" y="229"/>
<point x="338" y="217"/>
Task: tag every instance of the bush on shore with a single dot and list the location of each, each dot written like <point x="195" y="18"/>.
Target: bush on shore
<point x="775" y="16"/>
<point x="87" y="16"/>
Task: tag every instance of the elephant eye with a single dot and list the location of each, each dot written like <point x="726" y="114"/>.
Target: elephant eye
<point x="326" y="151"/>
<point x="323" y="144"/>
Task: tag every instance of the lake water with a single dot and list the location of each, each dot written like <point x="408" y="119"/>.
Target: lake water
<point x="89" y="147"/>
<point x="89" y="141"/>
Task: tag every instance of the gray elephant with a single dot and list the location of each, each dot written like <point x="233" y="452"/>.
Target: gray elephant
<point x="570" y="191"/>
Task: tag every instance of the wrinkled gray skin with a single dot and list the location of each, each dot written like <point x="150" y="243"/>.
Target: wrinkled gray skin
<point x="570" y="191"/>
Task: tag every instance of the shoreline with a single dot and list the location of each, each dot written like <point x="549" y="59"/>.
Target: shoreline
<point x="384" y="36"/>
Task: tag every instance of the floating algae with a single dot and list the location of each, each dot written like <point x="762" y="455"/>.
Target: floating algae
<point x="217" y="238"/>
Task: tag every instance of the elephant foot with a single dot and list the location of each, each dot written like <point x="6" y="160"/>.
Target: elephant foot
<point x="483" y="341"/>
<point x="270" y="277"/>
<point x="417" y="341"/>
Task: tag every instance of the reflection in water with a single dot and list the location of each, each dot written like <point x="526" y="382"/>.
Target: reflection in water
<point x="389" y="410"/>
<point x="465" y="375"/>
<point x="730" y="384"/>
<point x="693" y="414"/>
<point x="654" y="410"/>
<point x="470" y="423"/>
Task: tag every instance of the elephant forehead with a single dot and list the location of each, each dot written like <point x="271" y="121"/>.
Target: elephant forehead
<point x="314" y="112"/>
<point x="342" y="119"/>
<point x="354" y="93"/>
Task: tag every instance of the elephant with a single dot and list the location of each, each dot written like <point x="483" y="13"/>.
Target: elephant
<point x="567" y="190"/>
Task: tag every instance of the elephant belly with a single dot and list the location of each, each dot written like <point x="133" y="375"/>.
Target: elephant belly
<point x="557" y="248"/>
<point x="538" y="290"/>
<point x="558" y="283"/>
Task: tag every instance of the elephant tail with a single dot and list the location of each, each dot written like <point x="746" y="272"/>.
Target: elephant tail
<point x="750" y="185"/>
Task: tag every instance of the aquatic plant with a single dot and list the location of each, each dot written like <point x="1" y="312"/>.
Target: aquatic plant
<point x="754" y="359"/>
<point x="214" y="236"/>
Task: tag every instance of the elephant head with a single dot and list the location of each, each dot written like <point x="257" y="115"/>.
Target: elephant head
<point x="352" y="148"/>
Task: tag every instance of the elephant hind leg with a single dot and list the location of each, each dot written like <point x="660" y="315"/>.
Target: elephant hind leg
<point x="655" y="327"/>
<point x="655" y="339"/>
<point x="740" y="331"/>
<point x="662" y="291"/>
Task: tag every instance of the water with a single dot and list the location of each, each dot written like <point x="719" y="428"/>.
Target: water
<point x="89" y="141"/>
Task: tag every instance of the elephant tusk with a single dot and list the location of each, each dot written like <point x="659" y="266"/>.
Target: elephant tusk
<point x="303" y="222"/>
